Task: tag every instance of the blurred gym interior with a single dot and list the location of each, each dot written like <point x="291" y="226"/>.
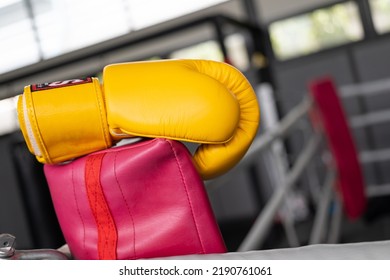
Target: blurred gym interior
<point x="281" y="47"/>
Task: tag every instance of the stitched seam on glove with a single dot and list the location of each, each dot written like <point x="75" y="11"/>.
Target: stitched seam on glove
<point x="188" y="196"/>
<point x="102" y="113"/>
<point x="127" y="205"/>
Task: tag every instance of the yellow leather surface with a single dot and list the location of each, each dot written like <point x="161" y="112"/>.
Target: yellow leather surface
<point x="214" y="160"/>
<point x="200" y="101"/>
<point x="190" y="100"/>
<point x="170" y="99"/>
<point x="64" y="122"/>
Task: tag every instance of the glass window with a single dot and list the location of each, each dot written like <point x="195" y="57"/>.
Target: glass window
<point x="320" y="29"/>
<point x="237" y="51"/>
<point x="235" y="45"/>
<point x="205" y="50"/>
<point x="61" y="26"/>
<point x="380" y="10"/>
<point x="18" y="46"/>
<point x="144" y="13"/>
<point x="66" y="25"/>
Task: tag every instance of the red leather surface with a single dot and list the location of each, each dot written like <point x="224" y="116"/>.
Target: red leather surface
<point x="350" y="179"/>
<point x="154" y="195"/>
<point x="107" y="234"/>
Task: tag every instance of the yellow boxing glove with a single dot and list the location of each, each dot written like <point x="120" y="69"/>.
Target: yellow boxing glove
<point x="199" y="101"/>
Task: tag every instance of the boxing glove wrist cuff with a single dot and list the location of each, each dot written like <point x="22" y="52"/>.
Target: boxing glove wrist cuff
<point x="76" y="107"/>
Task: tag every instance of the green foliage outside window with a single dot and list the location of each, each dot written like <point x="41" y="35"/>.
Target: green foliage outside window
<point x="320" y="29"/>
<point x="380" y="10"/>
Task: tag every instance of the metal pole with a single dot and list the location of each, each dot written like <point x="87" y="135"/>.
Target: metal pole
<point x="365" y="89"/>
<point x="286" y="125"/>
<point x="370" y="119"/>
<point x="266" y="139"/>
<point x="8" y="115"/>
<point x="378" y="190"/>
<point x="277" y="163"/>
<point x="337" y="218"/>
<point x="261" y="226"/>
<point x="374" y="156"/>
<point x="319" y="225"/>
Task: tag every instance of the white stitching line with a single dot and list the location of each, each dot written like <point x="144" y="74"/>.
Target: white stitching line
<point x="37" y="151"/>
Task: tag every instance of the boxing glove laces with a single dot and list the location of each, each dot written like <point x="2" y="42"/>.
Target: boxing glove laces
<point x="200" y="101"/>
